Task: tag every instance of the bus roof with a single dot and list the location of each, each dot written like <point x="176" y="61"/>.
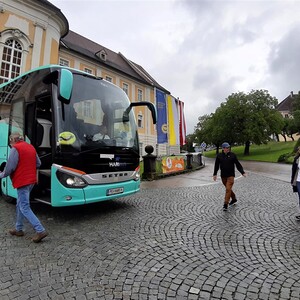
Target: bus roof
<point x="54" y="67"/>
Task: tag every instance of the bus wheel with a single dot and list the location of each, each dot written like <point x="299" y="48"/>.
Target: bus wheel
<point x="9" y="199"/>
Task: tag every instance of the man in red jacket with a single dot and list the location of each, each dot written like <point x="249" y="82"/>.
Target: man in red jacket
<point x="21" y="166"/>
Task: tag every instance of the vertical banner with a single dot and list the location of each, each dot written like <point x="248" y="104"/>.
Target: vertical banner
<point x="173" y="121"/>
<point x="182" y="126"/>
<point x="162" y="128"/>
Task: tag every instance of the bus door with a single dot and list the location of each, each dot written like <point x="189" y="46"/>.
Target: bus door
<point x="39" y="131"/>
<point x="16" y="124"/>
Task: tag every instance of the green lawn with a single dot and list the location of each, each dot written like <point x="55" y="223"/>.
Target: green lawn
<point x="269" y="152"/>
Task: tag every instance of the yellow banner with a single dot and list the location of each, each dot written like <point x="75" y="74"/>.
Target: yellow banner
<point x="173" y="121"/>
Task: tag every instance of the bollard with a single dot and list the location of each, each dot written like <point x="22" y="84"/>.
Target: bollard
<point x="200" y="159"/>
<point x="149" y="164"/>
<point x="189" y="157"/>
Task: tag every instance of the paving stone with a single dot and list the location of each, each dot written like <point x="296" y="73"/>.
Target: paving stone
<point x="168" y="243"/>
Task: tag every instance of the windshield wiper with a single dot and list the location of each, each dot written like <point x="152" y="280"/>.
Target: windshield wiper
<point x="131" y="150"/>
<point x="125" y="149"/>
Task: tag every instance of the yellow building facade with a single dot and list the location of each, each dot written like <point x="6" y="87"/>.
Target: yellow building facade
<point x="36" y="33"/>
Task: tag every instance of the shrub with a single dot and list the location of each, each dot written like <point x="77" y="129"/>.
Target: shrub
<point x="296" y="146"/>
<point x="284" y="157"/>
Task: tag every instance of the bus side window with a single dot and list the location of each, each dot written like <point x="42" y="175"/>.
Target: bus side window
<point x="39" y="134"/>
<point x="44" y="133"/>
<point x="43" y="142"/>
<point x="43" y="108"/>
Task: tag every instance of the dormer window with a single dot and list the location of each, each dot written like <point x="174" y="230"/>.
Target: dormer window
<point x="102" y="54"/>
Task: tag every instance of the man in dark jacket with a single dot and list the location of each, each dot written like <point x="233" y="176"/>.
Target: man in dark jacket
<point x="227" y="161"/>
<point x="21" y="166"/>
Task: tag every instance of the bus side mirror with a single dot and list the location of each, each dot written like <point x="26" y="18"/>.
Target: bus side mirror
<point x="144" y="103"/>
<point x="65" y="85"/>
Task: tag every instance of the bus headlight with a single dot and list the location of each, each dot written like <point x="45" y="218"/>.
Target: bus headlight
<point x="137" y="175"/>
<point x="70" y="180"/>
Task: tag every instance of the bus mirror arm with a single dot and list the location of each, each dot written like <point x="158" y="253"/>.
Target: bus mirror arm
<point x="126" y="114"/>
<point x="144" y="103"/>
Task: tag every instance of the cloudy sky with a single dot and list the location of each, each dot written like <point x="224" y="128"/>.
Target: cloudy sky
<point x="201" y="51"/>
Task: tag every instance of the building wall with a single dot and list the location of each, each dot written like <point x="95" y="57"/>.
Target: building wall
<point x="287" y="114"/>
<point x="39" y="29"/>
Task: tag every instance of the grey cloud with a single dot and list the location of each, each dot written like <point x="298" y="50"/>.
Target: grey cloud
<point x="284" y="63"/>
<point x="189" y="46"/>
<point x="284" y="55"/>
<point x="211" y="79"/>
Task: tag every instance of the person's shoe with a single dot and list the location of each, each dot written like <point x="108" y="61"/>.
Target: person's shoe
<point x="225" y="207"/>
<point x="39" y="236"/>
<point x="15" y="232"/>
<point x="298" y="218"/>
<point x="232" y="202"/>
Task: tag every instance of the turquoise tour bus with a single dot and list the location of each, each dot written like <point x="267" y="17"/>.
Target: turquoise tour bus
<point x="63" y="113"/>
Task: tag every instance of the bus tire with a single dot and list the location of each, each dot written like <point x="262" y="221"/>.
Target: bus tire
<point x="7" y="199"/>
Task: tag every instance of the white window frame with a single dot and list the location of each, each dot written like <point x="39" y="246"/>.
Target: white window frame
<point x="140" y="120"/>
<point x="64" y="62"/>
<point x="22" y="38"/>
<point x="87" y="109"/>
<point x="89" y="71"/>
<point x="140" y="95"/>
<point x="125" y="87"/>
<point x="11" y="64"/>
<point x="108" y="78"/>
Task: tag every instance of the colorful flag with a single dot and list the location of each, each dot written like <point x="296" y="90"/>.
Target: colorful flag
<point x="162" y="128"/>
<point x="173" y="121"/>
<point x="182" y="126"/>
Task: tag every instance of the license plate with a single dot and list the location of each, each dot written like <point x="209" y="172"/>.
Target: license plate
<point x="114" y="191"/>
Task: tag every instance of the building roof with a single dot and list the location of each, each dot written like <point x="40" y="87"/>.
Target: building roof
<point x="83" y="46"/>
<point x="60" y="15"/>
<point x="286" y="104"/>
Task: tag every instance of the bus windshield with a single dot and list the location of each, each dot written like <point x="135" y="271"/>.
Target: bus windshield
<point x="94" y="117"/>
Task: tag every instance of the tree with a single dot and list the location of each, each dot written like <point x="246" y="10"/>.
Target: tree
<point x="262" y="120"/>
<point x="292" y="128"/>
<point x="244" y="118"/>
<point x="190" y="138"/>
<point x="201" y="128"/>
<point x="289" y="128"/>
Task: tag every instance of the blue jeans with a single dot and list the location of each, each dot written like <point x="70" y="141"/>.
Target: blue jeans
<point x="24" y="210"/>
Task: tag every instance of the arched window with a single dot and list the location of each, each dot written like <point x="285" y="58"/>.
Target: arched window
<point x="11" y="60"/>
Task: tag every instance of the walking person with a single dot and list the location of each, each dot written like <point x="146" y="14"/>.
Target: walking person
<point x="295" y="178"/>
<point x="21" y="166"/>
<point x="226" y="162"/>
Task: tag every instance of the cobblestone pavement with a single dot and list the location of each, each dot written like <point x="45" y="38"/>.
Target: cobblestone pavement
<point x="171" y="243"/>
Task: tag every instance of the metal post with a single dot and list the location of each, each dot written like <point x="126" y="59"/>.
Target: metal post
<point x="189" y="157"/>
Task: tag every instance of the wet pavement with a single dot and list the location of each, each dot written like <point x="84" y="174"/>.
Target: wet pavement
<point x="170" y="241"/>
<point x="204" y="176"/>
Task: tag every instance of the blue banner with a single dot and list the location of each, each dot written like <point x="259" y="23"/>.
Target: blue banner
<point x="162" y="126"/>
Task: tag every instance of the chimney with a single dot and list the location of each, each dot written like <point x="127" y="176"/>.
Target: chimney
<point x="292" y="94"/>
